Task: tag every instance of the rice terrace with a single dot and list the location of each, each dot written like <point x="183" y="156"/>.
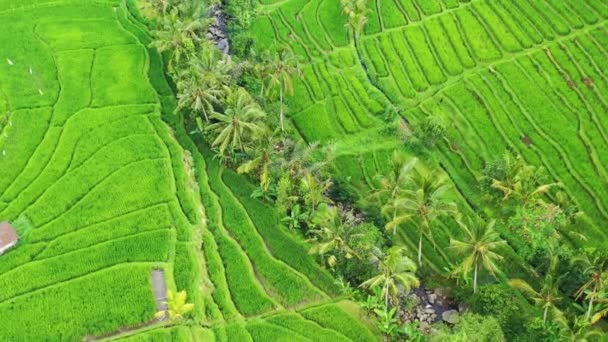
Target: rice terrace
<point x="303" y="170"/>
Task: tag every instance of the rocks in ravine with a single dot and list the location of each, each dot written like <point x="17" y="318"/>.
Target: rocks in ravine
<point x="217" y="32"/>
<point x="428" y="306"/>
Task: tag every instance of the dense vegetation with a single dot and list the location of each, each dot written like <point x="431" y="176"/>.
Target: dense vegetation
<point x="341" y="161"/>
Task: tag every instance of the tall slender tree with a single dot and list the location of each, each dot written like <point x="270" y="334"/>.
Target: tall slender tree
<point x="422" y="202"/>
<point x="393" y="184"/>
<point x="548" y="296"/>
<point x="279" y="74"/>
<point x="595" y="266"/>
<point x="262" y="156"/>
<point x="480" y="248"/>
<point x="394" y="269"/>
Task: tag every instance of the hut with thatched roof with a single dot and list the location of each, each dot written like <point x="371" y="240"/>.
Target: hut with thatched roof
<point x="8" y="237"/>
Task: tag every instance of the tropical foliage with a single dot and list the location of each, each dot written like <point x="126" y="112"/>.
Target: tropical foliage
<point x="480" y="249"/>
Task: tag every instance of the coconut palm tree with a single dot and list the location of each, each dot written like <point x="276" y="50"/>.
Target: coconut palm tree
<point x="297" y="158"/>
<point x="596" y="267"/>
<point x="177" y="306"/>
<point x="548" y="296"/>
<point x="522" y="182"/>
<point x="241" y="122"/>
<point x="262" y="155"/>
<point x="479" y="249"/>
<point x="422" y="202"/>
<point x="357" y="13"/>
<point x="579" y="330"/>
<point x="204" y="83"/>
<point x="332" y="234"/>
<point x="178" y="36"/>
<point x="392" y="185"/>
<point x="279" y="74"/>
<point x="395" y="269"/>
<point x="154" y="9"/>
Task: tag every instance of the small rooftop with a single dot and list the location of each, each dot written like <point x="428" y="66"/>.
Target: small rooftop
<point x="8" y="237"/>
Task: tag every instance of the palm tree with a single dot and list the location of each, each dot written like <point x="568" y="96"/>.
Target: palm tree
<point x="298" y="158"/>
<point x="177" y="306"/>
<point x="548" y="296"/>
<point x="356" y="12"/>
<point x="479" y="248"/>
<point x="204" y="84"/>
<point x="395" y="268"/>
<point x="333" y="234"/>
<point x="392" y="185"/>
<point x="422" y="202"/>
<point x="313" y="191"/>
<point x="262" y="156"/>
<point x="580" y="330"/>
<point x="279" y="75"/>
<point x="241" y="122"/>
<point x="596" y="267"/>
<point x="522" y="182"/>
<point x="154" y="8"/>
<point x="177" y="35"/>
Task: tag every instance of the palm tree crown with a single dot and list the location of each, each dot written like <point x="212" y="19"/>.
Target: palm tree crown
<point x="178" y="36"/>
<point x="596" y="267"/>
<point x="479" y="248"/>
<point x="422" y="202"/>
<point x="241" y="123"/>
<point x="356" y="12"/>
<point x="395" y="268"/>
<point x="204" y="83"/>
<point x="333" y="234"/>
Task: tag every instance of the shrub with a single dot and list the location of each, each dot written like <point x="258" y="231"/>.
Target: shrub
<point x="472" y="328"/>
<point x="505" y="305"/>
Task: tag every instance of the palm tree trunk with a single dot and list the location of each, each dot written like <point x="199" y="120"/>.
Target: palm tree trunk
<point x="386" y="299"/>
<point x="475" y="278"/>
<point x="545" y="315"/>
<point x="420" y="249"/>
<point x="589" y="309"/>
<point x="281" y="115"/>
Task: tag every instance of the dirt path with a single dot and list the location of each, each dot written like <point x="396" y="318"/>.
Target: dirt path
<point x="160" y="290"/>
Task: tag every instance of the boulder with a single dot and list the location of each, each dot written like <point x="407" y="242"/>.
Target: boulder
<point x="450" y="316"/>
<point x="432" y="298"/>
<point x="222" y="44"/>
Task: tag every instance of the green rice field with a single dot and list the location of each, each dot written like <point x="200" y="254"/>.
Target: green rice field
<point x="526" y="76"/>
<point x="104" y="184"/>
<point x="102" y="191"/>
